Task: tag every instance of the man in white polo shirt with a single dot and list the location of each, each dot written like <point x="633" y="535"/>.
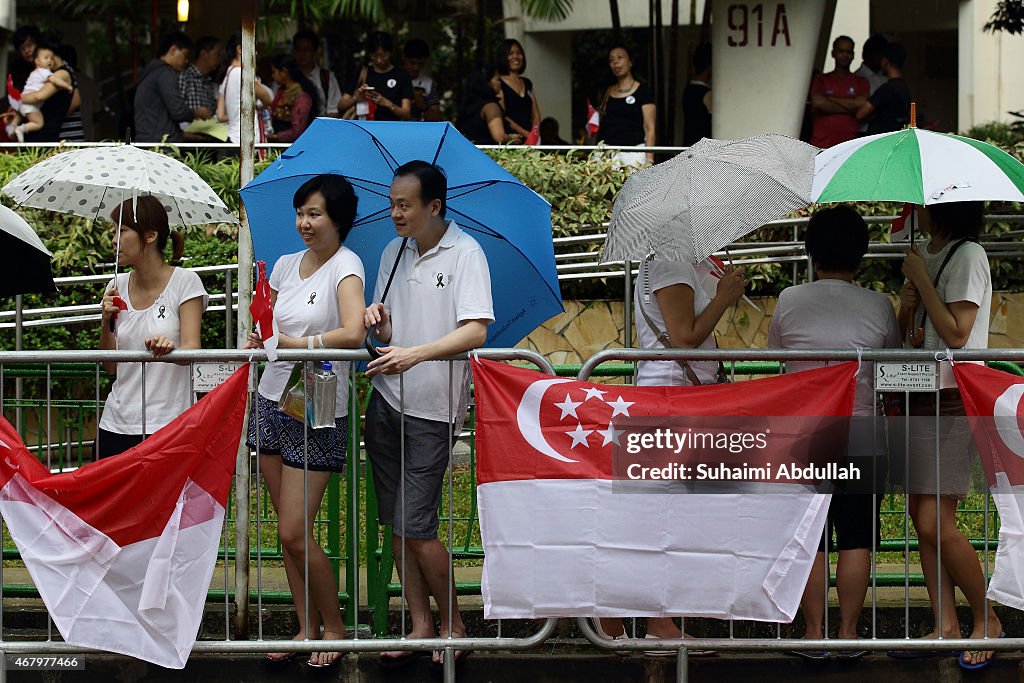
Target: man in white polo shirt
<point x="438" y="305"/>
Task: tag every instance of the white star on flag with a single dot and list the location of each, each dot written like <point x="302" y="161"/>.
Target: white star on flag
<point x="611" y="435"/>
<point x="579" y="436"/>
<point x="568" y="407"/>
<point x="620" y="407"/>
<point x="593" y="392"/>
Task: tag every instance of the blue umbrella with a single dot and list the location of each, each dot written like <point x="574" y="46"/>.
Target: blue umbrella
<point x="510" y="221"/>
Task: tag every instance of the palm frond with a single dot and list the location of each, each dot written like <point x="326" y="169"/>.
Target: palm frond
<point x="547" y="10"/>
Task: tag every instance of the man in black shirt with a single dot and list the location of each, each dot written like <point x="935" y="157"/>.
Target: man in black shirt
<point x="888" y="108"/>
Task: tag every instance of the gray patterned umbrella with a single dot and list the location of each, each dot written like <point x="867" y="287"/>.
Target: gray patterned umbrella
<point x="701" y="200"/>
<point x="91" y="181"/>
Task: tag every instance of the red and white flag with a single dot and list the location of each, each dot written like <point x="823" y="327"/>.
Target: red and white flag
<point x="593" y="119"/>
<point x="561" y="540"/>
<point x="992" y="399"/>
<point x="904" y="225"/>
<point x="13" y="94"/>
<point x="262" y="311"/>
<point x="122" y="550"/>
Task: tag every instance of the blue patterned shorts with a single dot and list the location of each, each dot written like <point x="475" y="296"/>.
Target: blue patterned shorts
<point x="282" y="435"/>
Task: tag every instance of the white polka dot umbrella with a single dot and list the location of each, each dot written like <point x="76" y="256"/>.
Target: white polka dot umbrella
<point x="92" y="181"/>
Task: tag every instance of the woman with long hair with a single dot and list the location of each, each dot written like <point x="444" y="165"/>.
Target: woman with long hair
<point x="517" y="96"/>
<point x="380" y="83"/>
<point x="945" y="304"/>
<point x="229" y="95"/>
<point x="628" y="112"/>
<point x="295" y="102"/>
<point x="161" y="310"/>
<point x="481" y="118"/>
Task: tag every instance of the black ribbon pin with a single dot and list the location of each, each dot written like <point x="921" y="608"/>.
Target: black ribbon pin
<point x="312" y="298"/>
<point x="160" y="311"/>
<point x="440" y="280"/>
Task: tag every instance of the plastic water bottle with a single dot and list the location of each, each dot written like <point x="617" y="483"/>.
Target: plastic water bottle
<point x="320" y="411"/>
<point x="267" y="122"/>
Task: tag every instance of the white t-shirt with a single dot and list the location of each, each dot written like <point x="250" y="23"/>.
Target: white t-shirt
<point x="168" y="386"/>
<point x="328" y="100"/>
<point x="874" y="79"/>
<point x="966" y="277"/>
<point x="310" y="307"/>
<point x="429" y="297"/>
<point x="231" y="91"/>
<point x="833" y="314"/>
<point x="661" y="274"/>
<point x="34" y="83"/>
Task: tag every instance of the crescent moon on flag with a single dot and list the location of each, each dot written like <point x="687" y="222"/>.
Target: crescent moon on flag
<point x="528" y="417"/>
<point x="1005" y="414"/>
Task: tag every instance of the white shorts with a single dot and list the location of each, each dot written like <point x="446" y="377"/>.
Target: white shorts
<point x="26" y="109"/>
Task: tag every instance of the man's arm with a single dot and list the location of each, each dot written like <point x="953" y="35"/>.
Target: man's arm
<point x="470" y="334"/>
<point x="865" y="111"/>
<point x="171" y="97"/>
<point x="823" y="104"/>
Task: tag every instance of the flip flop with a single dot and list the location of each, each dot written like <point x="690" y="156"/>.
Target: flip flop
<point x="279" y="657"/>
<point x="849" y="654"/>
<point x="400" y="661"/>
<point x="328" y="665"/>
<point x="974" y="666"/>
<point x="460" y="655"/>
<point x="816" y="655"/>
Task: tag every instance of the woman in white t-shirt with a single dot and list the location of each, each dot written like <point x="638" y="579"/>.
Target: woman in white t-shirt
<point x="673" y="310"/>
<point x="229" y="95"/>
<point x="318" y="304"/>
<point x="945" y="304"/>
<point x="162" y="307"/>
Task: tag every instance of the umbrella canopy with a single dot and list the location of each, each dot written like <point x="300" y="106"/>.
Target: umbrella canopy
<point x="510" y="221"/>
<point x="703" y="199"/>
<point x="27" y="260"/>
<point x="91" y="181"/>
<point x="919" y="167"/>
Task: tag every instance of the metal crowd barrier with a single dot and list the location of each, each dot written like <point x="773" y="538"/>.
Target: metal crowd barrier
<point x="1007" y="357"/>
<point x="342" y="535"/>
<point x="344" y="538"/>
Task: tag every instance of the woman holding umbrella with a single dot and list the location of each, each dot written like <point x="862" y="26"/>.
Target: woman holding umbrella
<point x="944" y="305"/>
<point x="157" y="307"/>
<point x="674" y="311"/>
<point x="318" y="304"/>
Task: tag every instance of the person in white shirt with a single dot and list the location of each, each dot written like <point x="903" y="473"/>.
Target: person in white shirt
<point x="229" y="95"/>
<point x="439" y="305"/>
<point x="673" y="310"/>
<point x="161" y="310"/>
<point x="945" y="304"/>
<point x="830" y="313"/>
<point x="318" y="304"/>
<point x="425" y="97"/>
<point x="305" y="48"/>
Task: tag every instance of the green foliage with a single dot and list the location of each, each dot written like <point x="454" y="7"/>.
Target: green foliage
<point x="1000" y="134"/>
<point x="1008" y="16"/>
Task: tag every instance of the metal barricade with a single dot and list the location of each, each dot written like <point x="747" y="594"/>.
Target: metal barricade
<point x="339" y="524"/>
<point x="874" y="643"/>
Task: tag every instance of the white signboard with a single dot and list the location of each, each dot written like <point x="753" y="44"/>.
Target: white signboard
<point x="907" y="376"/>
<point x="209" y="376"/>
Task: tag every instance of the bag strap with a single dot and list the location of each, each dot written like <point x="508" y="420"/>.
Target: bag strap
<point x="370" y="333"/>
<point x="942" y="267"/>
<point x="660" y="335"/>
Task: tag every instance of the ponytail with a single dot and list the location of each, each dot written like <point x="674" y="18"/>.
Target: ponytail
<point x="177" y="245"/>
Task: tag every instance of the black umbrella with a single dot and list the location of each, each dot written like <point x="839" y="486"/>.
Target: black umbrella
<point x="26" y="260"/>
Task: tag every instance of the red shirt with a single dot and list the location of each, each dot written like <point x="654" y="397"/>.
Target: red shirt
<point x="831" y="129"/>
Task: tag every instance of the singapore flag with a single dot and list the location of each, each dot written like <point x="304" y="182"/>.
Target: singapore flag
<point x="992" y="400"/>
<point x="561" y="540"/>
<point x="122" y="550"/>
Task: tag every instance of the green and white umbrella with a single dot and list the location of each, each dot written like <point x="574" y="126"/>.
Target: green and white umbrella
<point x="918" y="167"/>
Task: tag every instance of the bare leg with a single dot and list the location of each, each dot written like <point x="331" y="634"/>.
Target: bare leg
<point x="922" y="512"/>
<point x="33" y="122"/>
<point x="852" y="576"/>
<point x="813" y="601"/>
<point x="270" y="467"/>
<point x="433" y="576"/>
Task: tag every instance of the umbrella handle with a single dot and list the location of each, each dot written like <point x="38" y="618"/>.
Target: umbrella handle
<point x="368" y="343"/>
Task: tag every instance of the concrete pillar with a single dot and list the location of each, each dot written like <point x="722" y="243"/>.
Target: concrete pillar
<point x="852" y="18"/>
<point x="990" y="78"/>
<point x="763" y="55"/>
